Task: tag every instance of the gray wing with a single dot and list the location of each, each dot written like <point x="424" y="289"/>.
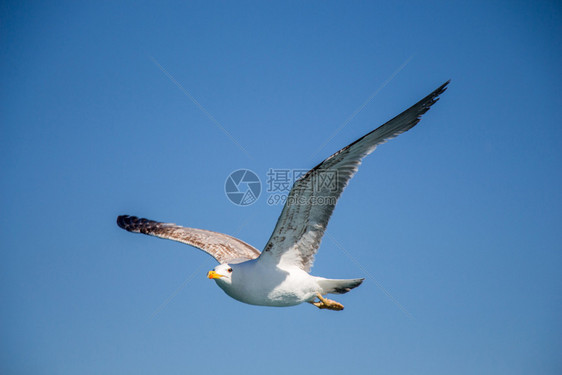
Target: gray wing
<point x="299" y="230"/>
<point x="222" y="247"/>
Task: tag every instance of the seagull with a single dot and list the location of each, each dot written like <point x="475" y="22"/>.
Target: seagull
<point x="280" y="274"/>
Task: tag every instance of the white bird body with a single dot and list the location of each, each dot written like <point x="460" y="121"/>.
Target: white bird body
<point x="279" y="276"/>
<point x="256" y="283"/>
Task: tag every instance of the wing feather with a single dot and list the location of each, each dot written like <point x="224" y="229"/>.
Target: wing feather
<point x="222" y="247"/>
<point x="299" y="230"/>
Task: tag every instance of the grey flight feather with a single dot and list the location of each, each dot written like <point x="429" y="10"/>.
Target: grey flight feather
<point x="301" y="225"/>
<point x="222" y="247"/>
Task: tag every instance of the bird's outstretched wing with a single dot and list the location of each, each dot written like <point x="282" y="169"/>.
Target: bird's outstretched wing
<point x="299" y="230"/>
<point x="222" y="247"/>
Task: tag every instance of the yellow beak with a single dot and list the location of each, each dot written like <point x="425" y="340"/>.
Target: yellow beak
<point x="214" y="275"/>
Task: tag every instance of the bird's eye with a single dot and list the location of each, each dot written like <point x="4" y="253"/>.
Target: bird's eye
<point x="229" y="270"/>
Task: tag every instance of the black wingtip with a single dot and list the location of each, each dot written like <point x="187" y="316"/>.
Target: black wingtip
<point x="124" y="221"/>
<point x="443" y="87"/>
<point x="137" y="225"/>
<point x="432" y="98"/>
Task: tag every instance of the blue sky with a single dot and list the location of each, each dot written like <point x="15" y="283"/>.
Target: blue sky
<point x="458" y="219"/>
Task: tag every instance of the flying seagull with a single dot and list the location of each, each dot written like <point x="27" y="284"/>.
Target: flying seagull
<point x="279" y="276"/>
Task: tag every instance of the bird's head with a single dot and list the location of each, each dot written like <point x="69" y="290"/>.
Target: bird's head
<point x="221" y="273"/>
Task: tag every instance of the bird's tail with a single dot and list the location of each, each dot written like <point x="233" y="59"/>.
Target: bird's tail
<point x="338" y="286"/>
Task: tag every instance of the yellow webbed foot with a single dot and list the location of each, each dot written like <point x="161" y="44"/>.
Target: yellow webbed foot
<point x="326" y="303"/>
